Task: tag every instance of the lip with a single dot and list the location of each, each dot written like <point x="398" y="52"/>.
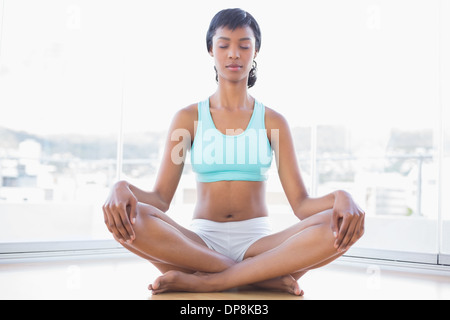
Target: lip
<point x="234" y="67"/>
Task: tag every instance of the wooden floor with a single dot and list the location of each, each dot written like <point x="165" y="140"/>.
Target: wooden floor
<point x="128" y="278"/>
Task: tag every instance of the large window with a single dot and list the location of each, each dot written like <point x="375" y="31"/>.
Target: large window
<point x="60" y="100"/>
<point x="88" y="89"/>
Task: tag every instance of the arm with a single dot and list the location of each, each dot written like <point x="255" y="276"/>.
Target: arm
<point x="153" y="198"/>
<point x="120" y="207"/>
<point x="288" y="170"/>
<point x="348" y="219"/>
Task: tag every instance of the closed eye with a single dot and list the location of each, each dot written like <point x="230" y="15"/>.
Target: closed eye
<point x="242" y="47"/>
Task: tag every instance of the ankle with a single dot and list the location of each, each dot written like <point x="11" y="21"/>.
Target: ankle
<point x="215" y="282"/>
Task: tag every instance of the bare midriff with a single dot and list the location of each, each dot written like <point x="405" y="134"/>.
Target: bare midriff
<point x="227" y="201"/>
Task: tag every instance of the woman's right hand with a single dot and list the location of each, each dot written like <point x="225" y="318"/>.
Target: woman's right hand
<point x="119" y="212"/>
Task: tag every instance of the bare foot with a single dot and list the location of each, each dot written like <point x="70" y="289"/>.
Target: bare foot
<point x="176" y="281"/>
<point x="283" y="284"/>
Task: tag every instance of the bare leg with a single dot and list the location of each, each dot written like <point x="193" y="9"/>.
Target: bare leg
<point x="152" y="223"/>
<point x="286" y="283"/>
<point x="307" y="249"/>
<point x="170" y="247"/>
<point x="275" y="240"/>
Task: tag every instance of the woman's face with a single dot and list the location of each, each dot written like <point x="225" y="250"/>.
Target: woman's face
<point x="234" y="52"/>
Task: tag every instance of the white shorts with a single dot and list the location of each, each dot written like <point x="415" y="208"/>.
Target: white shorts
<point x="232" y="239"/>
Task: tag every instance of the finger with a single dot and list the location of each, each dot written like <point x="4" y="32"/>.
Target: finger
<point x="342" y="231"/>
<point x="126" y="222"/>
<point x="109" y="213"/>
<point x="335" y="223"/>
<point x="363" y="224"/>
<point x="105" y="218"/>
<point x="119" y="230"/>
<point x="133" y="212"/>
<point x="351" y="231"/>
<point x="109" y="220"/>
<point x="359" y="231"/>
<point x="115" y="232"/>
<point x="117" y="239"/>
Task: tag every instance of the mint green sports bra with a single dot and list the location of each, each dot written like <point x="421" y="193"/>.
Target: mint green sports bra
<point x="218" y="157"/>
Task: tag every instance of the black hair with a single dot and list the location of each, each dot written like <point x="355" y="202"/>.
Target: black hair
<point x="233" y="19"/>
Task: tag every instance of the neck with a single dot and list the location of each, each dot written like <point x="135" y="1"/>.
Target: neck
<point x="232" y="96"/>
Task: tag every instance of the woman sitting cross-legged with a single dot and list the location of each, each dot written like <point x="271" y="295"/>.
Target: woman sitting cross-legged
<point x="232" y="138"/>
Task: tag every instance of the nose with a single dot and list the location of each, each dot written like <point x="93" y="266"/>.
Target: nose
<point x="233" y="53"/>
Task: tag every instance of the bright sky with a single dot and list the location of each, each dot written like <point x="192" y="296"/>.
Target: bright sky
<point x="66" y="66"/>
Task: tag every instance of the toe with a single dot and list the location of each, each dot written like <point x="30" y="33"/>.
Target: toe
<point x="155" y="285"/>
<point x="297" y="290"/>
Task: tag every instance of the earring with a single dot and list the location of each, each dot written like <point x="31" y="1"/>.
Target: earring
<point x="217" y="74"/>
<point x="254" y="69"/>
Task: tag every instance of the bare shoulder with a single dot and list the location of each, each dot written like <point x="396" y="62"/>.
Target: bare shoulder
<point x="185" y="118"/>
<point x="189" y="113"/>
<point x="275" y="120"/>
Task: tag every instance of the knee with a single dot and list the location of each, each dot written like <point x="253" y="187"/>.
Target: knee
<point x="350" y="237"/>
<point x="325" y="218"/>
<point x="326" y="232"/>
<point x="144" y="211"/>
<point x="324" y="224"/>
<point x="145" y="227"/>
<point x="146" y="216"/>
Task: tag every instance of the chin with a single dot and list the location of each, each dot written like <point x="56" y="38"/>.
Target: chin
<point x="236" y="78"/>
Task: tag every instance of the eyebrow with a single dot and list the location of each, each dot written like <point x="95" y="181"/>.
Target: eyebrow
<point x="228" y="39"/>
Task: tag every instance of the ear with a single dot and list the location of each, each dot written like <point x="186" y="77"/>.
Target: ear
<point x="256" y="54"/>
<point x="211" y="53"/>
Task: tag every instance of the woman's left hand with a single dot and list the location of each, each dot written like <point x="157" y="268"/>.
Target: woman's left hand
<point x="348" y="221"/>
